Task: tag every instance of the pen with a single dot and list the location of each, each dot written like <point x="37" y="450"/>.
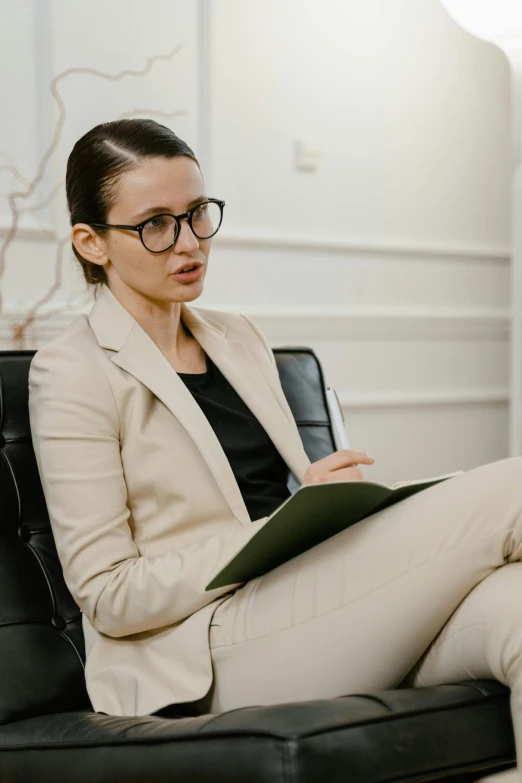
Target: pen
<point x="337" y="419"/>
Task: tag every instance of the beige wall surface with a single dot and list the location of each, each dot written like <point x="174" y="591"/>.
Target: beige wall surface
<point x="389" y="254"/>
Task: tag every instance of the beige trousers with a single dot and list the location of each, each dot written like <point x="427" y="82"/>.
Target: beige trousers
<point x="428" y="591"/>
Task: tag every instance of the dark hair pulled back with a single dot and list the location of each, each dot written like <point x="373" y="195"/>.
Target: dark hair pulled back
<point x="98" y="160"/>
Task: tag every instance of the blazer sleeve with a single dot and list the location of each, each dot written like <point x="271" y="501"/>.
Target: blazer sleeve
<point x="74" y="423"/>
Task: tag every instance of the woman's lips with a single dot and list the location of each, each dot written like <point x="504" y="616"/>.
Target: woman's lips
<point x="188" y="277"/>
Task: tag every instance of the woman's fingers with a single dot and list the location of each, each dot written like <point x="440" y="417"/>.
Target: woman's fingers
<point x="344" y="474"/>
<point x="347" y="457"/>
<point x="340" y="466"/>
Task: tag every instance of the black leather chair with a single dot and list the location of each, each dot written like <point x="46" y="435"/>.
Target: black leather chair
<point x="50" y="734"/>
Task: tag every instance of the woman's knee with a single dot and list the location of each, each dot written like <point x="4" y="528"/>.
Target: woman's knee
<point x="512" y="466"/>
<point x="499" y="483"/>
<point x="509" y="468"/>
<point x="483" y="637"/>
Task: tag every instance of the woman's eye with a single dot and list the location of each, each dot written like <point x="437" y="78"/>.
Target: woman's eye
<point x="156" y="222"/>
<point x="199" y="211"/>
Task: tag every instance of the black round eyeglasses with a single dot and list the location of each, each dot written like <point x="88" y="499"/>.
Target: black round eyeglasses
<point x="160" y="232"/>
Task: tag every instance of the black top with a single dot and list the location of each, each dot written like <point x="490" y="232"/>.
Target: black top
<point x="260" y="471"/>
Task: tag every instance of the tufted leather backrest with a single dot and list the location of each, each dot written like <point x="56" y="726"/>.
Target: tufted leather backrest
<point x="41" y="638"/>
<point x="303" y="383"/>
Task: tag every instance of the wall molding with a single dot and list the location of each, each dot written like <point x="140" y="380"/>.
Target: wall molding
<point x="304" y="325"/>
<point x="424" y="399"/>
<point x="379" y="323"/>
<point x="43" y="62"/>
<point x="387" y="247"/>
<point x="33" y="229"/>
<point x="205" y="96"/>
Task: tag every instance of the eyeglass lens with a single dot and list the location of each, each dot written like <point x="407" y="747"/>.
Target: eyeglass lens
<point x="159" y="232"/>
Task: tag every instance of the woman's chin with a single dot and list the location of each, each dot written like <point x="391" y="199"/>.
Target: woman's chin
<point x="186" y="292"/>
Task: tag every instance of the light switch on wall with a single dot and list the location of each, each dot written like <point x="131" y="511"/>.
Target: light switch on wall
<point x="307" y="156"/>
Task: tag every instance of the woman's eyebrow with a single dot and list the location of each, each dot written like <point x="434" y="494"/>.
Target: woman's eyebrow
<point x="167" y="209"/>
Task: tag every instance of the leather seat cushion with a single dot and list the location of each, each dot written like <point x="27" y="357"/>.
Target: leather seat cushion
<point x="393" y="735"/>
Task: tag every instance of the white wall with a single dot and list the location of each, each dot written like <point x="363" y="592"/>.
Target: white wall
<point x="408" y="110"/>
<point x="109" y="37"/>
<point x="391" y="260"/>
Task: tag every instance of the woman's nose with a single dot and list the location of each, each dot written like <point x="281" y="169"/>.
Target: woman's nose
<point x="186" y="240"/>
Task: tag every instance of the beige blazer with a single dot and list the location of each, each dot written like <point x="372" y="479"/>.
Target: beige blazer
<point x="143" y="503"/>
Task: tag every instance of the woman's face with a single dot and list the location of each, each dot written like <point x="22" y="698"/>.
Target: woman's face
<point x="157" y="185"/>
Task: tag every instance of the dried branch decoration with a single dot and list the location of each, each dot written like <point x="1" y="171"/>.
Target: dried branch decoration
<point x="15" y="196"/>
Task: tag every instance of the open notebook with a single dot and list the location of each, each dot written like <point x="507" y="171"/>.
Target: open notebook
<point x="312" y="514"/>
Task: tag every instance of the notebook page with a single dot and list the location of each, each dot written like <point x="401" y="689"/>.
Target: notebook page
<point x="426" y="480"/>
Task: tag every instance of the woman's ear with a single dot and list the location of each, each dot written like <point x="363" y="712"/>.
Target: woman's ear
<point x="89" y="244"/>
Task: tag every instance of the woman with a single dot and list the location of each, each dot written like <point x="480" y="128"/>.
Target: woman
<point x="164" y="439"/>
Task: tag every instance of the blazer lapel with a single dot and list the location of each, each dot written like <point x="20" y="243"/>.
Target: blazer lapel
<point x="136" y="353"/>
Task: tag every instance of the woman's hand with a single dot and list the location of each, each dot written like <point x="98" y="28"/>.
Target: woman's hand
<point x="338" y="467"/>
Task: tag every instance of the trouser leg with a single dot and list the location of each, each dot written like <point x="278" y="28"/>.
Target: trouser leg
<point x="482" y="639"/>
<point x="356" y="612"/>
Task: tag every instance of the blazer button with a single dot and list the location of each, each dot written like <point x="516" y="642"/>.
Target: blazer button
<point x="24" y="533"/>
<point x="58" y="622"/>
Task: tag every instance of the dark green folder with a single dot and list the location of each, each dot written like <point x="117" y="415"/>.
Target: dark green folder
<point x="312" y="514"/>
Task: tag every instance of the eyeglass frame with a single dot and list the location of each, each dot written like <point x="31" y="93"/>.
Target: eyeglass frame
<point x="188" y="215"/>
